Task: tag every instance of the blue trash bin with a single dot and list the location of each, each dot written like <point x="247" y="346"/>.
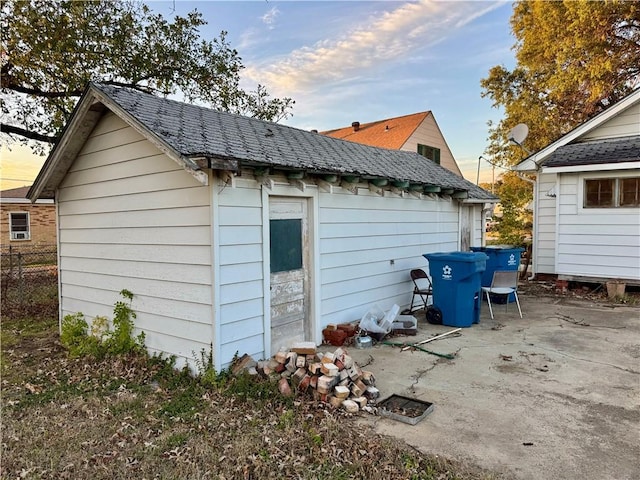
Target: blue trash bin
<point x="499" y="257"/>
<point x="456" y="286"/>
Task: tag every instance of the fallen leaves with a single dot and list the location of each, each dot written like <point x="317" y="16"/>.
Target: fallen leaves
<point x="79" y="418"/>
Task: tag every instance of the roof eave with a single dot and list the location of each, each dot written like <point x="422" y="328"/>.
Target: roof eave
<point x="481" y="200"/>
<point x="526" y="165"/>
<point x="532" y="162"/>
<point x="83" y="120"/>
<point x="592" y="167"/>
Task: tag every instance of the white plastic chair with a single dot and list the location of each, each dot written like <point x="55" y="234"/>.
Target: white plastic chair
<point x="503" y="283"/>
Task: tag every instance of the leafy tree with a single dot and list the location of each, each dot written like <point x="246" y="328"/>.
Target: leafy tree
<point x="52" y="48"/>
<point x="515" y="196"/>
<point x="574" y="59"/>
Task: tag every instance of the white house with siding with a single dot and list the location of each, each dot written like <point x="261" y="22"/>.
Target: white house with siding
<point x="587" y="199"/>
<point x="237" y="233"/>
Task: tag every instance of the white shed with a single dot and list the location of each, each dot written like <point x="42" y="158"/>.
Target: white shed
<point x="237" y="233"/>
<point x="587" y="199"/>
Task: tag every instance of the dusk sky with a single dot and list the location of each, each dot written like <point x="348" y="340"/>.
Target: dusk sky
<point x="359" y="61"/>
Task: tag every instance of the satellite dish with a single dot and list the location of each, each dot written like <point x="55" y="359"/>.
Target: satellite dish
<point x="518" y="133"/>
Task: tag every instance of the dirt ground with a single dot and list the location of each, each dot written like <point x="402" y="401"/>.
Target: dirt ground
<point x="555" y="395"/>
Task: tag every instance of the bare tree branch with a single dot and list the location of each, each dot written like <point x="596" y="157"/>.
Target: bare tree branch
<point x="12" y="129"/>
<point x="9" y="83"/>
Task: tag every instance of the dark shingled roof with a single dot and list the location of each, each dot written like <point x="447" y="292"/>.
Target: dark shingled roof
<point x="616" y="150"/>
<point x="195" y="131"/>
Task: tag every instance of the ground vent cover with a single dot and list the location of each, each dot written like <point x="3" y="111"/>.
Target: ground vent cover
<point x="405" y="409"/>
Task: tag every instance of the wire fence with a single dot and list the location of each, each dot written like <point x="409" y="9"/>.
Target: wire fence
<point x="29" y="281"/>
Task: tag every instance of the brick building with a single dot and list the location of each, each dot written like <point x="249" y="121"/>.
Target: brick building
<point x="25" y="225"/>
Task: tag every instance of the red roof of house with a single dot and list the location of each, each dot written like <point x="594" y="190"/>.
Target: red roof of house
<point x="391" y="133"/>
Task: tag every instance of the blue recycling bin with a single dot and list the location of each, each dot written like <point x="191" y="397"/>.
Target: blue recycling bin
<point x="499" y="257"/>
<point x="456" y="286"/>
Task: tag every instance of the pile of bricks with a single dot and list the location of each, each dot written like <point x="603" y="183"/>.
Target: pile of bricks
<point x="338" y="335"/>
<point x="331" y="377"/>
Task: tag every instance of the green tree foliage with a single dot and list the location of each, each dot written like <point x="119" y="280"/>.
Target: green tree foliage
<point x="52" y="48"/>
<point x="515" y="196"/>
<point x="574" y="59"/>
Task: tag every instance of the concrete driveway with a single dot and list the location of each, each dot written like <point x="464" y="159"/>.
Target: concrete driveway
<point x="555" y="395"/>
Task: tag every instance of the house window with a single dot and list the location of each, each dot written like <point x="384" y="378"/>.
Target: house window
<point x="432" y="153"/>
<point x="19" y="225"/>
<point x="599" y="192"/>
<point x="612" y="192"/>
<point x="629" y="192"/>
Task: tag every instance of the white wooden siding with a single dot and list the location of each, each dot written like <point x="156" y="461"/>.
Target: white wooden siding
<point x="241" y="270"/>
<point x="130" y="217"/>
<point x="476" y="232"/>
<point x="428" y="133"/>
<point x="624" y="124"/>
<point x="545" y="253"/>
<point x="368" y="245"/>
<point x="596" y="242"/>
<point x="475" y="216"/>
<point x="359" y="236"/>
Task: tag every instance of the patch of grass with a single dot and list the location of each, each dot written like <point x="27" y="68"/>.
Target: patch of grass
<point x="286" y="420"/>
<point x="184" y="403"/>
<point x="626" y="299"/>
<point x="132" y="406"/>
<point x="331" y="471"/>
<point x="134" y="416"/>
<point x="317" y="440"/>
<point x="176" y="440"/>
<point x="55" y="393"/>
<point x="26" y="343"/>
<point x="18" y="330"/>
<point x="249" y="388"/>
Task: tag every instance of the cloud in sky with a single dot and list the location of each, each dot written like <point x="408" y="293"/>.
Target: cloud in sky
<point x="395" y="35"/>
<point x="269" y="18"/>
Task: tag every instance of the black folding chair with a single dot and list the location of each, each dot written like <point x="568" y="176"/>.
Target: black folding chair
<point x="422" y="288"/>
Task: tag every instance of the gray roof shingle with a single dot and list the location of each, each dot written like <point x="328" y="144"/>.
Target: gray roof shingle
<point x="195" y="131"/>
<point x="596" y="152"/>
<point x="20" y="192"/>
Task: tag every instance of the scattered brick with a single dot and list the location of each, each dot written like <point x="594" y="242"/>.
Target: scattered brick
<point x="304" y="348"/>
<point x="329" y="377"/>
<point x="350" y="406"/>
<point x="285" y="389"/>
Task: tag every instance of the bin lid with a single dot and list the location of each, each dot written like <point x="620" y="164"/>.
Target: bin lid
<point x="503" y="247"/>
<point x="470" y="257"/>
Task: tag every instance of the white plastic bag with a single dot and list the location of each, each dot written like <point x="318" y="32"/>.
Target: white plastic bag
<point x="371" y="319"/>
<point x="376" y="321"/>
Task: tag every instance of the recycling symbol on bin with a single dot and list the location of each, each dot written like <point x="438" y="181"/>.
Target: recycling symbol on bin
<point x="512" y="259"/>
<point x="446" y="272"/>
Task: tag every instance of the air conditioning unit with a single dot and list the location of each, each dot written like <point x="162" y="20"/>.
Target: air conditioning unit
<point x="19" y="236"/>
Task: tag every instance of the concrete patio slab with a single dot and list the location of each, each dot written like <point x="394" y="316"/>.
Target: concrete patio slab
<point x="555" y="395"/>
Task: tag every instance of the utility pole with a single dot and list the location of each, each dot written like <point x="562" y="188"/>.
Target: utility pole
<point x="493" y="177"/>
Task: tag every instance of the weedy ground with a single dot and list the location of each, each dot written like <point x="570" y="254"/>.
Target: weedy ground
<point x="131" y="416"/>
